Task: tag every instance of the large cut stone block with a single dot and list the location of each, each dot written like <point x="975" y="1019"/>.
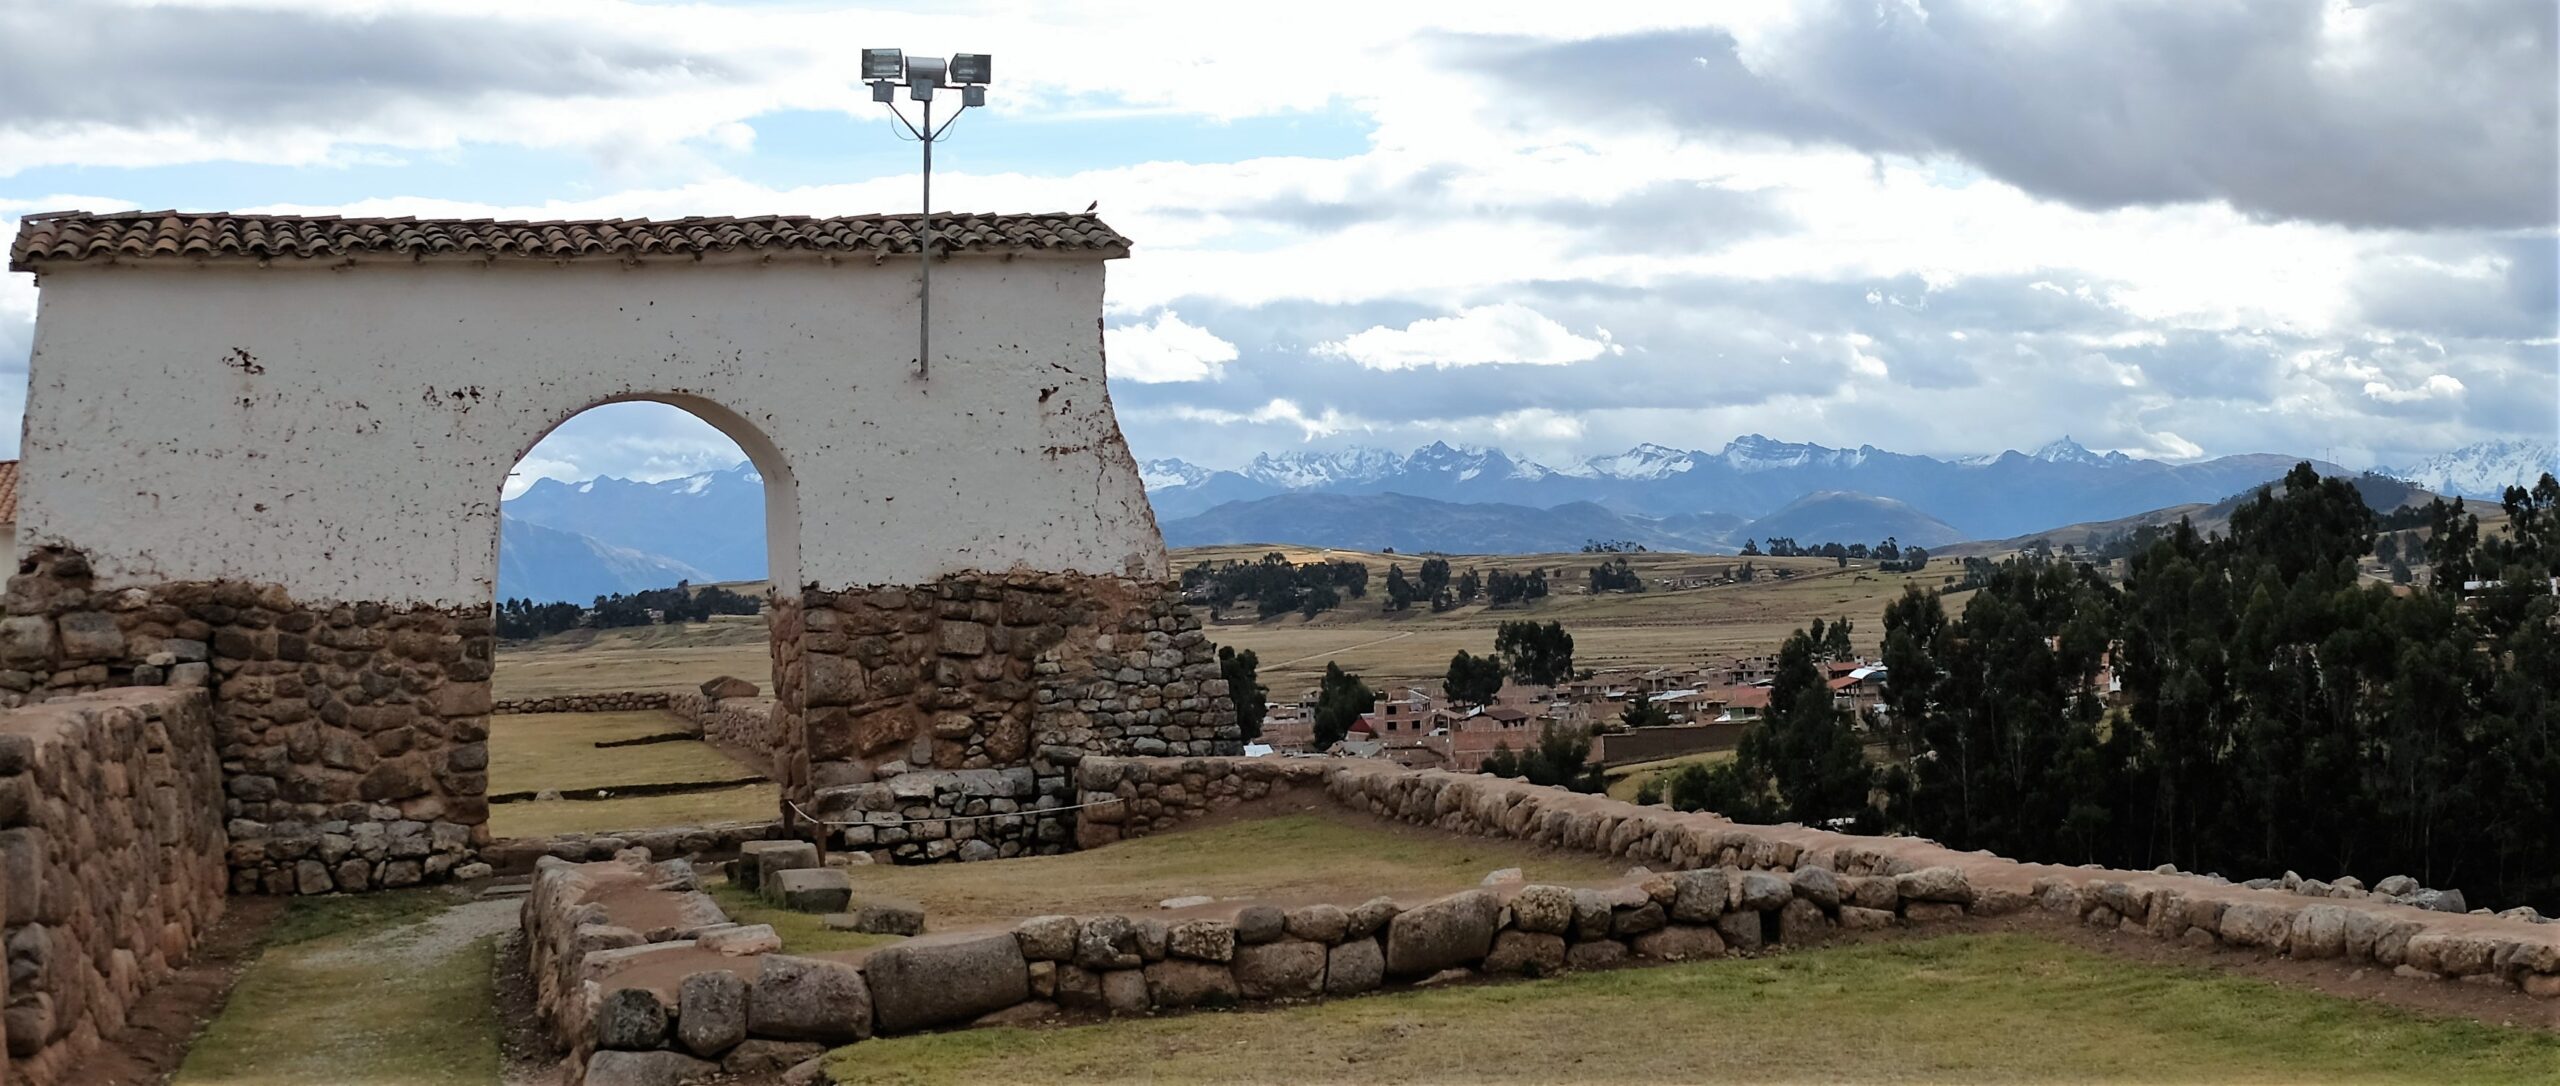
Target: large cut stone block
<point x="1453" y="931"/>
<point x="807" y="999"/>
<point x="809" y="889"/>
<point x="939" y="979"/>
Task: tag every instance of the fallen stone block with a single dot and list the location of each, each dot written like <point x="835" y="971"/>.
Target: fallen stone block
<point x="809" y="889"/>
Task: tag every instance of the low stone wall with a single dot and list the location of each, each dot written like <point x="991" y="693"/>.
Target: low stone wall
<point x="932" y="815"/>
<point x="1136" y="796"/>
<point x="639" y="982"/>
<point x="745" y="724"/>
<point x="611" y="701"/>
<point x="700" y="844"/>
<point x="111" y="864"/>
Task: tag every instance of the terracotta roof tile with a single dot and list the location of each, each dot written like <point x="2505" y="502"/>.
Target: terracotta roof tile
<point x="69" y="236"/>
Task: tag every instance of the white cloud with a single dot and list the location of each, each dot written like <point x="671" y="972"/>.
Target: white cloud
<point x="1505" y="332"/>
<point x="1325" y="423"/>
<point x="2439" y="386"/>
<point x="1168" y="349"/>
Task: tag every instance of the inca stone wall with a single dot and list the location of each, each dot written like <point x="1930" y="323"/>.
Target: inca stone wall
<point x="111" y="846"/>
<point x="353" y="737"/>
<point x="610" y="701"/>
<point x="736" y="723"/>
<point x="984" y="672"/>
<point x="1129" y="797"/>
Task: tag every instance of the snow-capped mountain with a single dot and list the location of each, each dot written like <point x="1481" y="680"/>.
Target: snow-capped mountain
<point x="1158" y="474"/>
<point x="1299" y="470"/>
<point x="2484" y="470"/>
<point x="711" y="522"/>
<point x="1646" y="461"/>
<point x="1752" y="452"/>
<point x="2067" y="451"/>
<point x="1751" y="476"/>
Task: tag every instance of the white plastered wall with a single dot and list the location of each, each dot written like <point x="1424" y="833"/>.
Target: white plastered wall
<point x="344" y="431"/>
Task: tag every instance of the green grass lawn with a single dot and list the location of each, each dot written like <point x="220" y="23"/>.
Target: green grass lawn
<point x="802" y="933"/>
<point x="1968" y="1009"/>
<point x="534" y="751"/>
<point x="381" y="990"/>
<point x="1327" y="855"/>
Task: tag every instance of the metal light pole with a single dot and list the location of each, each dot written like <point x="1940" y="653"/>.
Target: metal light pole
<point x="888" y="69"/>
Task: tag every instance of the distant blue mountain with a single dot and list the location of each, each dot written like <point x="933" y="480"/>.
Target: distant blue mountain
<point x="546" y="565"/>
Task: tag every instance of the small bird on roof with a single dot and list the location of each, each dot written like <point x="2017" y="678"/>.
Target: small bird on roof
<point x="1088" y="208"/>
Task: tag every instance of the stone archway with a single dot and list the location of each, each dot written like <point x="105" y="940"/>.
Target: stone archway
<point x="259" y="452"/>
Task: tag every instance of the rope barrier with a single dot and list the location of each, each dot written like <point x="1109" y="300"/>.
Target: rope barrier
<point x="1034" y="813"/>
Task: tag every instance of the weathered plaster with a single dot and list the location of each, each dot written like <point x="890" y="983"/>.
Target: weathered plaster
<point x="343" y="430"/>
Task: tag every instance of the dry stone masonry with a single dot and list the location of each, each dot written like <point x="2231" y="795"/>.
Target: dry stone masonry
<point x="111" y="868"/>
<point x="993" y="685"/>
<point x="1914" y="879"/>
<point x="610" y="701"/>
<point x="353" y="737"/>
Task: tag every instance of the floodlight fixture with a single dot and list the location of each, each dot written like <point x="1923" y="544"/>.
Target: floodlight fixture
<point x="888" y="69"/>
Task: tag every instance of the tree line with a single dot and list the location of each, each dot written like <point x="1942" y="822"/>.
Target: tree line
<point x="2277" y="711"/>
<point x="524" y="619"/>
<point x="1432" y="586"/>
<point x="1277" y="586"/>
<point x="1890" y="555"/>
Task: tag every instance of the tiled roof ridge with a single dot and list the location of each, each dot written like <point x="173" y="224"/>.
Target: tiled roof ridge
<point x="71" y="236"/>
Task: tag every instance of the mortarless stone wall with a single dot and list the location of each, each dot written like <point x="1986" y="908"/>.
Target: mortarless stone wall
<point x="111" y="867"/>
<point x="988" y="672"/>
<point x="353" y="737"/>
<point x="610" y="701"/>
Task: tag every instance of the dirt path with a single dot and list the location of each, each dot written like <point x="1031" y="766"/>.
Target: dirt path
<point x="1346" y="648"/>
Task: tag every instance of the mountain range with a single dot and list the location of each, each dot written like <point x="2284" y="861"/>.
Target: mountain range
<point x="710" y="526"/>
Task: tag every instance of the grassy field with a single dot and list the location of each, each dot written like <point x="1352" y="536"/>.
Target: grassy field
<point x="1653" y="628"/>
<point x="744" y="803"/>
<point x="531" y="752"/>
<point x="1624" y="781"/>
<point x="670" y="658"/>
<point x="537" y="751"/>
<point x="381" y="990"/>
<point x="1319" y="854"/>
<point x="1969" y="1009"/>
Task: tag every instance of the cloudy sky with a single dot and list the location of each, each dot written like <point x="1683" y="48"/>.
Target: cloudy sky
<point x="1939" y="226"/>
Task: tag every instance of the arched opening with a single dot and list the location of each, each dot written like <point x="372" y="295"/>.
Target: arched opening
<point x="634" y="676"/>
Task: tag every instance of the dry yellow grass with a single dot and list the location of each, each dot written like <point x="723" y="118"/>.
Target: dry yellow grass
<point x="537" y="751"/>
<point x="744" y="803"/>
<point x="1650" y="629"/>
